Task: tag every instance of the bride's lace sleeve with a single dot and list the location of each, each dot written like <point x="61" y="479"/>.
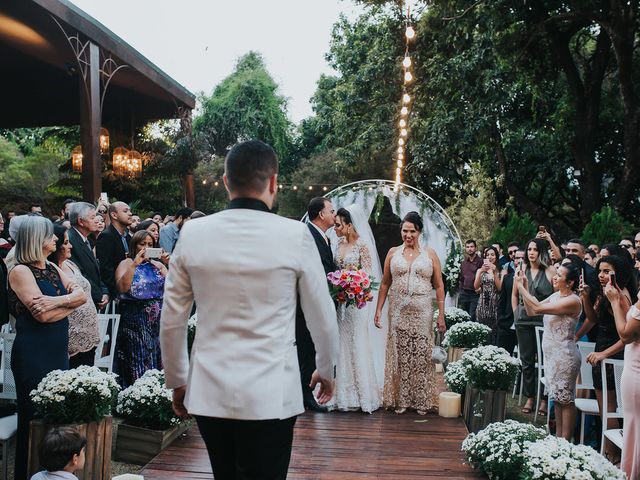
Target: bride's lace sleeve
<point x="365" y="258"/>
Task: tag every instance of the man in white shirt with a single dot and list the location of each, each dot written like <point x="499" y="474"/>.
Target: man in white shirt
<point x="245" y="267"/>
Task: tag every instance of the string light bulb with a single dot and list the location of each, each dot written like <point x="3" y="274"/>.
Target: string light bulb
<point x="204" y="182"/>
<point x="400" y="150"/>
<point x="216" y="183"/>
<point x="295" y="187"/>
<point x="408" y="77"/>
<point x="402" y="123"/>
<point x="404" y="111"/>
<point x="406" y="98"/>
<point x="324" y="189"/>
<point x="310" y="187"/>
<point x="406" y="63"/>
<point x="399" y="163"/>
<point x="410" y="33"/>
<point x="403" y="132"/>
<point x="401" y="141"/>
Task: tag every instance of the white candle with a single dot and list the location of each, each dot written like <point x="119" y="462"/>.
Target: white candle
<point x="449" y="405"/>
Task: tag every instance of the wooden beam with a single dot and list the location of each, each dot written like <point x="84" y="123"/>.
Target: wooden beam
<point x="90" y="120"/>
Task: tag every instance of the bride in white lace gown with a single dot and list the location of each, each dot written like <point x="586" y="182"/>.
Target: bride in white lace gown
<point x="357" y="383"/>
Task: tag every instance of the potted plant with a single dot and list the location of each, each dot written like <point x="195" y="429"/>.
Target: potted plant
<point x="455" y="377"/>
<point x="554" y="458"/>
<point x="464" y="335"/>
<point x="452" y="315"/>
<point x="149" y="424"/>
<point x="499" y="450"/>
<point x="82" y="397"/>
<point x="490" y="371"/>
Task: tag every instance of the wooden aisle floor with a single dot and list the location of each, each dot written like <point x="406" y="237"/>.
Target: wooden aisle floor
<point x="341" y="446"/>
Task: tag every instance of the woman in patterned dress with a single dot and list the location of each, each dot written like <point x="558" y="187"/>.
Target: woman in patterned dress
<point x="411" y="272"/>
<point x="561" y="312"/>
<point x="83" y="321"/>
<point x="140" y="282"/>
<point x="489" y="282"/>
<point x="357" y="385"/>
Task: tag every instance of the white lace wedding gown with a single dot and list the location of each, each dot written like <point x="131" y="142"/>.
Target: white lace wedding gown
<point x="356" y="382"/>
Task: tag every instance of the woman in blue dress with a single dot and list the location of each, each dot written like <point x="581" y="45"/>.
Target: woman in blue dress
<point x="40" y="298"/>
<point x="140" y="281"/>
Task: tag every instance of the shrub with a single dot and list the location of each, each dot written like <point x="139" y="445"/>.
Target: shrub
<point x="466" y="335"/>
<point x="519" y="228"/>
<point x="606" y="226"/>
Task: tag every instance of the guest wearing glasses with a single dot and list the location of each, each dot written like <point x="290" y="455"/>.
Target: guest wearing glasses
<point x="629" y="244"/>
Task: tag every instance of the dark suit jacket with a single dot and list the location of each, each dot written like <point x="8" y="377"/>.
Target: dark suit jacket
<point x="110" y="252"/>
<point x="87" y="262"/>
<point x="326" y="255"/>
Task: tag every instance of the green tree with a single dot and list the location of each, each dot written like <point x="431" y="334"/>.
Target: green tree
<point x="474" y="208"/>
<point x="606" y="226"/>
<point x="246" y="105"/>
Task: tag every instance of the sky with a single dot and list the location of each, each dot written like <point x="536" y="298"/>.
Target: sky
<point x="197" y="42"/>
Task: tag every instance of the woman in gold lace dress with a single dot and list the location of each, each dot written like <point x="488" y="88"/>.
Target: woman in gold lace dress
<point x="411" y="272"/>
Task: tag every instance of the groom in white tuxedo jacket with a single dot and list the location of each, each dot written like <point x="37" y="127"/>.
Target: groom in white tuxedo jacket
<point x="245" y="267"/>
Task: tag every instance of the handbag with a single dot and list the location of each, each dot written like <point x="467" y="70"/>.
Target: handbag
<point x="438" y="354"/>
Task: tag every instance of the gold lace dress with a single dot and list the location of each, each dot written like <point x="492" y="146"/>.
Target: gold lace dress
<point x="410" y="375"/>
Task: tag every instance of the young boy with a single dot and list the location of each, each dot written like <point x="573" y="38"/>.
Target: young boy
<point x="61" y="454"/>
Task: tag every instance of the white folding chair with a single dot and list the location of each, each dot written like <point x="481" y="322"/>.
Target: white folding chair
<point x="540" y="367"/>
<point x="107" y="338"/>
<point x="8" y="425"/>
<point x="516" y="354"/>
<point x="585" y="406"/>
<point x="613" y="434"/>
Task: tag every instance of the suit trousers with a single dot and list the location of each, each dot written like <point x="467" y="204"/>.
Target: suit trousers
<point x="468" y="302"/>
<point x="248" y="449"/>
<point x="507" y="339"/>
<point x="306" y="353"/>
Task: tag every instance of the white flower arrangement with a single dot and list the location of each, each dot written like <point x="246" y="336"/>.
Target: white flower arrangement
<point x="451" y="270"/>
<point x="554" y="458"/>
<point x="490" y="367"/>
<point x="499" y="450"/>
<point x="452" y="315"/>
<point x="80" y="395"/>
<point x="455" y="377"/>
<point x="147" y="403"/>
<point x="466" y="335"/>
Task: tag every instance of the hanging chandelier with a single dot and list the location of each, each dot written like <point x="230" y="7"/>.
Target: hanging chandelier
<point x="133" y="164"/>
<point x="76" y="159"/>
<point x="104" y="141"/>
<point x="119" y="160"/>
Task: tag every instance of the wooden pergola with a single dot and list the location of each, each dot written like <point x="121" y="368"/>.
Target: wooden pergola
<point x="59" y="66"/>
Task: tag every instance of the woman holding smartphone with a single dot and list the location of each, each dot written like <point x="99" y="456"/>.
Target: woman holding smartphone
<point x="615" y="271"/>
<point x="489" y="282"/>
<point x="539" y="273"/>
<point x="140" y="281"/>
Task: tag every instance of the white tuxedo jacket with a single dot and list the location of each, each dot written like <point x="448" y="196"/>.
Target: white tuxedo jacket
<point x="245" y="268"/>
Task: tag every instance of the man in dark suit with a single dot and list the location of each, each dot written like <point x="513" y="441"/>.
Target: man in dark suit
<point x="112" y="245"/>
<point x="82" y="216"/>
<point x="321" y="218"/>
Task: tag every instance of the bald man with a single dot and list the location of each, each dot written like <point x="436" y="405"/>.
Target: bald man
<point x="112" y="245"/>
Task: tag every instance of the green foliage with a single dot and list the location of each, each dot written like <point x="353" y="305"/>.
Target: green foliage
<point x="519" y="228"/>
<point x="210" y="198"/>
<point x="246" y="105"/>
<point x="474" y="208"/>
<point x="606" y="226"/>
<point x="28" y="178"/>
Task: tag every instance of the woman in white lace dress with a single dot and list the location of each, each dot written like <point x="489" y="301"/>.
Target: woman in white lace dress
<point x="357" y="385"/>
<point x="561" y="355"/>
<point x="83" y="321"/>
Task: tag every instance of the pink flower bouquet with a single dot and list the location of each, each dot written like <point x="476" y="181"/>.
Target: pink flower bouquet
<point x="351" y="287"/>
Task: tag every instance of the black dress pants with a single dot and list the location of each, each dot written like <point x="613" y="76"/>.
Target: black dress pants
<point x="306" y="353"/>
<point x="248" y="449"/>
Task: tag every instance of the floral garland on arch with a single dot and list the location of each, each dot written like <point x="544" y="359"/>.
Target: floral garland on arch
<point x="452" y="271"/>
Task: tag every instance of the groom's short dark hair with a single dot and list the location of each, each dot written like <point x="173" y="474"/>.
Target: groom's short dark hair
<point x="316" y="205"/>
<point x="249" y="165"/>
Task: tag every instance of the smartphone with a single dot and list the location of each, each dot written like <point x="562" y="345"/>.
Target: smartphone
<point x="612" y="276"/>
<point x="153" y="252"/>
<point x="542" y="228"/>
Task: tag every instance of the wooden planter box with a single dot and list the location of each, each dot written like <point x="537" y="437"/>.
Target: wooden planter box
<point x="482" y="407"/>
<point x="140" y="445"/>
<point x="454" y="354"/>
<point x="97" y="453"/>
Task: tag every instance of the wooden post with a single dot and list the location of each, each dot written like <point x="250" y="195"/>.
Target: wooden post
<point x="90" y="120"/>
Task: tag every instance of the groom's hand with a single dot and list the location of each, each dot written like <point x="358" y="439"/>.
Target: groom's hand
<point x="178" y="402"/>
<point x="326" y="387"/>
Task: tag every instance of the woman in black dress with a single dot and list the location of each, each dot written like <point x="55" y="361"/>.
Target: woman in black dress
<point x="40" y="297"/>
